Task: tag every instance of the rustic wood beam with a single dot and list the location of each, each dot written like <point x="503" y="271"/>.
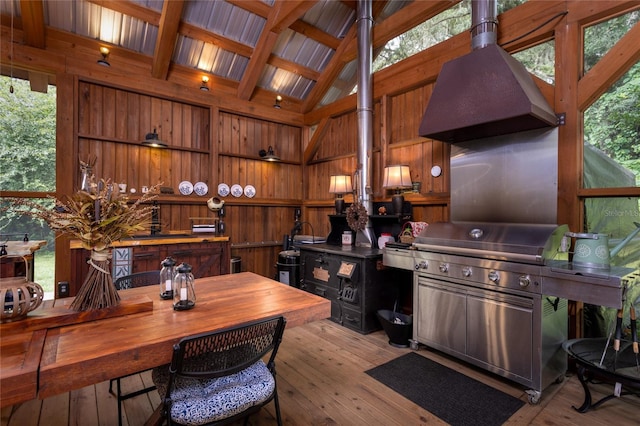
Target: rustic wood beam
<point x="314" y="143"/>
<point x="254" y="6"/>
<point x="283" y="14"/>
<point x="130" y="9"/>
<point x="330" y="73"/>
<point x="589" y="12"/>
<point x="167" y="36"/>
<point x="293" y="67"/>
<point x="316" y="34"/>
<point x="198" y="33"/>
<point x="32" y="13"/>
<point x="622" y="56"/>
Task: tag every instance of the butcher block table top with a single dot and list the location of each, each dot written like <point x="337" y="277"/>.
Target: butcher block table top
<point x="77" y="355"/>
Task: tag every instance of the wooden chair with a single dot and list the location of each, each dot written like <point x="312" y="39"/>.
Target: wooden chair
<point x="139" y="279"/>
<point x="220" y="377"/>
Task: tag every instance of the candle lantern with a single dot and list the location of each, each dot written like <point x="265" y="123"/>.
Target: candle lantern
<point x="184" y="295"/>
<point x="166" y="278"/>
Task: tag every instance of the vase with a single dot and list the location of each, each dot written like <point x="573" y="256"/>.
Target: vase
<point x="97" y="291"/>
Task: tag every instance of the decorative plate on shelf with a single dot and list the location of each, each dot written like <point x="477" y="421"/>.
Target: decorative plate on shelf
<point x="249" y="191"/>
<point x="236" y="190"/>
<point x="185" y="187"/>
<point x="200" y="188"/>
<point x="223" y="190"/>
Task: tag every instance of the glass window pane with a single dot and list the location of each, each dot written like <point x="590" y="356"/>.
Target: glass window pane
<point x="28" y="135"/>
<point x="600" y="38"/>
<point x="611" y="149"/>
<point x="616" y="217"/>
<point x="540" y="60"/>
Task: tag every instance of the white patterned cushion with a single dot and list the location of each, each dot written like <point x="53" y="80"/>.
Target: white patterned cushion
<point x="197" y="402"/>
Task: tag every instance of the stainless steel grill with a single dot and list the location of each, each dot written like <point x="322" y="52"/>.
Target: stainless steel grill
<point x="528" y="243"/>
<point x="478" y="295"/>
<point x="495" y="295"/>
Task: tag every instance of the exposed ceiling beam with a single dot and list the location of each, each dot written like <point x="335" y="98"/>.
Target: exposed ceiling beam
<point x="283" y="14"/>
<point x="167" y="36"/>
<point x="316" y="34"/>
<point x="32" y="13"/>
<point x="258" y="7"/>
<point x="292" y="67"/>
<point x="335" y="65"/>
<point x="329" y="74"/>
<point x="617" y="61"/>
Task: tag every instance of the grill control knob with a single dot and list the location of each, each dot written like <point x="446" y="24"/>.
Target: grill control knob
<point x="421" y="265"/>
<point x="467" y="271"/>
<point x="444" y="268"/>
<point x="524" y="281"/>
<point x="494" y="276"/>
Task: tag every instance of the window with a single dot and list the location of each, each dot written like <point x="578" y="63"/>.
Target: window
<point x="611" y="156"/>
<point x="27" y="161"/>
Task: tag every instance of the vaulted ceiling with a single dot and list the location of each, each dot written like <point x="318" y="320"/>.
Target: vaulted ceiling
<point x="304" y="51"/>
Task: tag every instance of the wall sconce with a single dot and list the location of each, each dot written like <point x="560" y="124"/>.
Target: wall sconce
<point x="340" y="184"/>
<point x="152" y="140"/>
<point x="396" y="178"/>
<point x="104" y="51"/>
<point x="204" y="86"/>
<point x="268" y="155"/>
<point x="278" y="100"/>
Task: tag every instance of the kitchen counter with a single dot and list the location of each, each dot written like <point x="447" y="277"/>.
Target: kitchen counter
<point x="351" y="251"/>
<point x="208" y="255"/>
<point x="153" y="240"/>
<point x="19" y="260"/>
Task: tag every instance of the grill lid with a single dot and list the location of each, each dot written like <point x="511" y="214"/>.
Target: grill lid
<point x="533" y="243"/>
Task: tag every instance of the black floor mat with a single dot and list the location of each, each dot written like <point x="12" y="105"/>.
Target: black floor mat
<point x="448" y="394"/>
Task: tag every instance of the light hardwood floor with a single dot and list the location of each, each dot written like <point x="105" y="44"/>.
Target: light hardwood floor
<point x="321" y="381"/>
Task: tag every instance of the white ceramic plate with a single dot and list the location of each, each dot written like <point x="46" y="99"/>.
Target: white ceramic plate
<point x="223" y="190"/>
<point x="249" y="191"/>
<point x="185" y="187"/>
<point x="200" y="188"/>
<point x="236" y="190"/>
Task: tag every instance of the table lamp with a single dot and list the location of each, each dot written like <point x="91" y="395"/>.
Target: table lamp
<point x="339" y="185"/>
<point x="397" y="177"/>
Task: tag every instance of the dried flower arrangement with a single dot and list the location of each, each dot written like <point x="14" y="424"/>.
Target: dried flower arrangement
<point x="97" y="218"/>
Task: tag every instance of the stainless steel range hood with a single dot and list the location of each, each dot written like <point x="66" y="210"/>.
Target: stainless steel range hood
<point x="486" y="92"/>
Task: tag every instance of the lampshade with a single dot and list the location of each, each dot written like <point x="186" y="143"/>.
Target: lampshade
<point x="340" y="184"/>
<point x="396" y="177"/>
<point x="153" y="140"/>
<point x="268" y="155"/>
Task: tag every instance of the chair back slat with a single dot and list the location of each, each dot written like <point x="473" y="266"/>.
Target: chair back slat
<point x="139" y="279"/>
<point x="228" y="351"/>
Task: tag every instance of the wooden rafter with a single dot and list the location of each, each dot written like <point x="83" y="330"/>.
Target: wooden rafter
<point x="610" y="68"/>
<point x="283" y="14"/>
<point x="167" y="36"/>
<point x="32" y="13"/>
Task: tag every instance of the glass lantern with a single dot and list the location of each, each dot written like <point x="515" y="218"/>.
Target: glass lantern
<point x="166" y="278"/>
<point x="184" y="295"/>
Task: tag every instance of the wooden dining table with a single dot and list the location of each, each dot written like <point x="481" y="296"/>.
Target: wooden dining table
<point x="56" y="358"/>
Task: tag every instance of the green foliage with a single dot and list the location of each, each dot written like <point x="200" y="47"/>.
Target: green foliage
<point x="28" y="137"/>
<point x="27" y="154"/>
<point x="612" y="123"/>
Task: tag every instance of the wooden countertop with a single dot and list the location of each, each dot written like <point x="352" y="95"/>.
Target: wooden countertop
<point x="159" y="240"/>
<point x="21" y="248"/>
<point x="77" y="355"/>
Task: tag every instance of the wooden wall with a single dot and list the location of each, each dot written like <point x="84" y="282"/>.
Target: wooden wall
<point x="111" y="122"/>
<point x="215" y="136"/>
